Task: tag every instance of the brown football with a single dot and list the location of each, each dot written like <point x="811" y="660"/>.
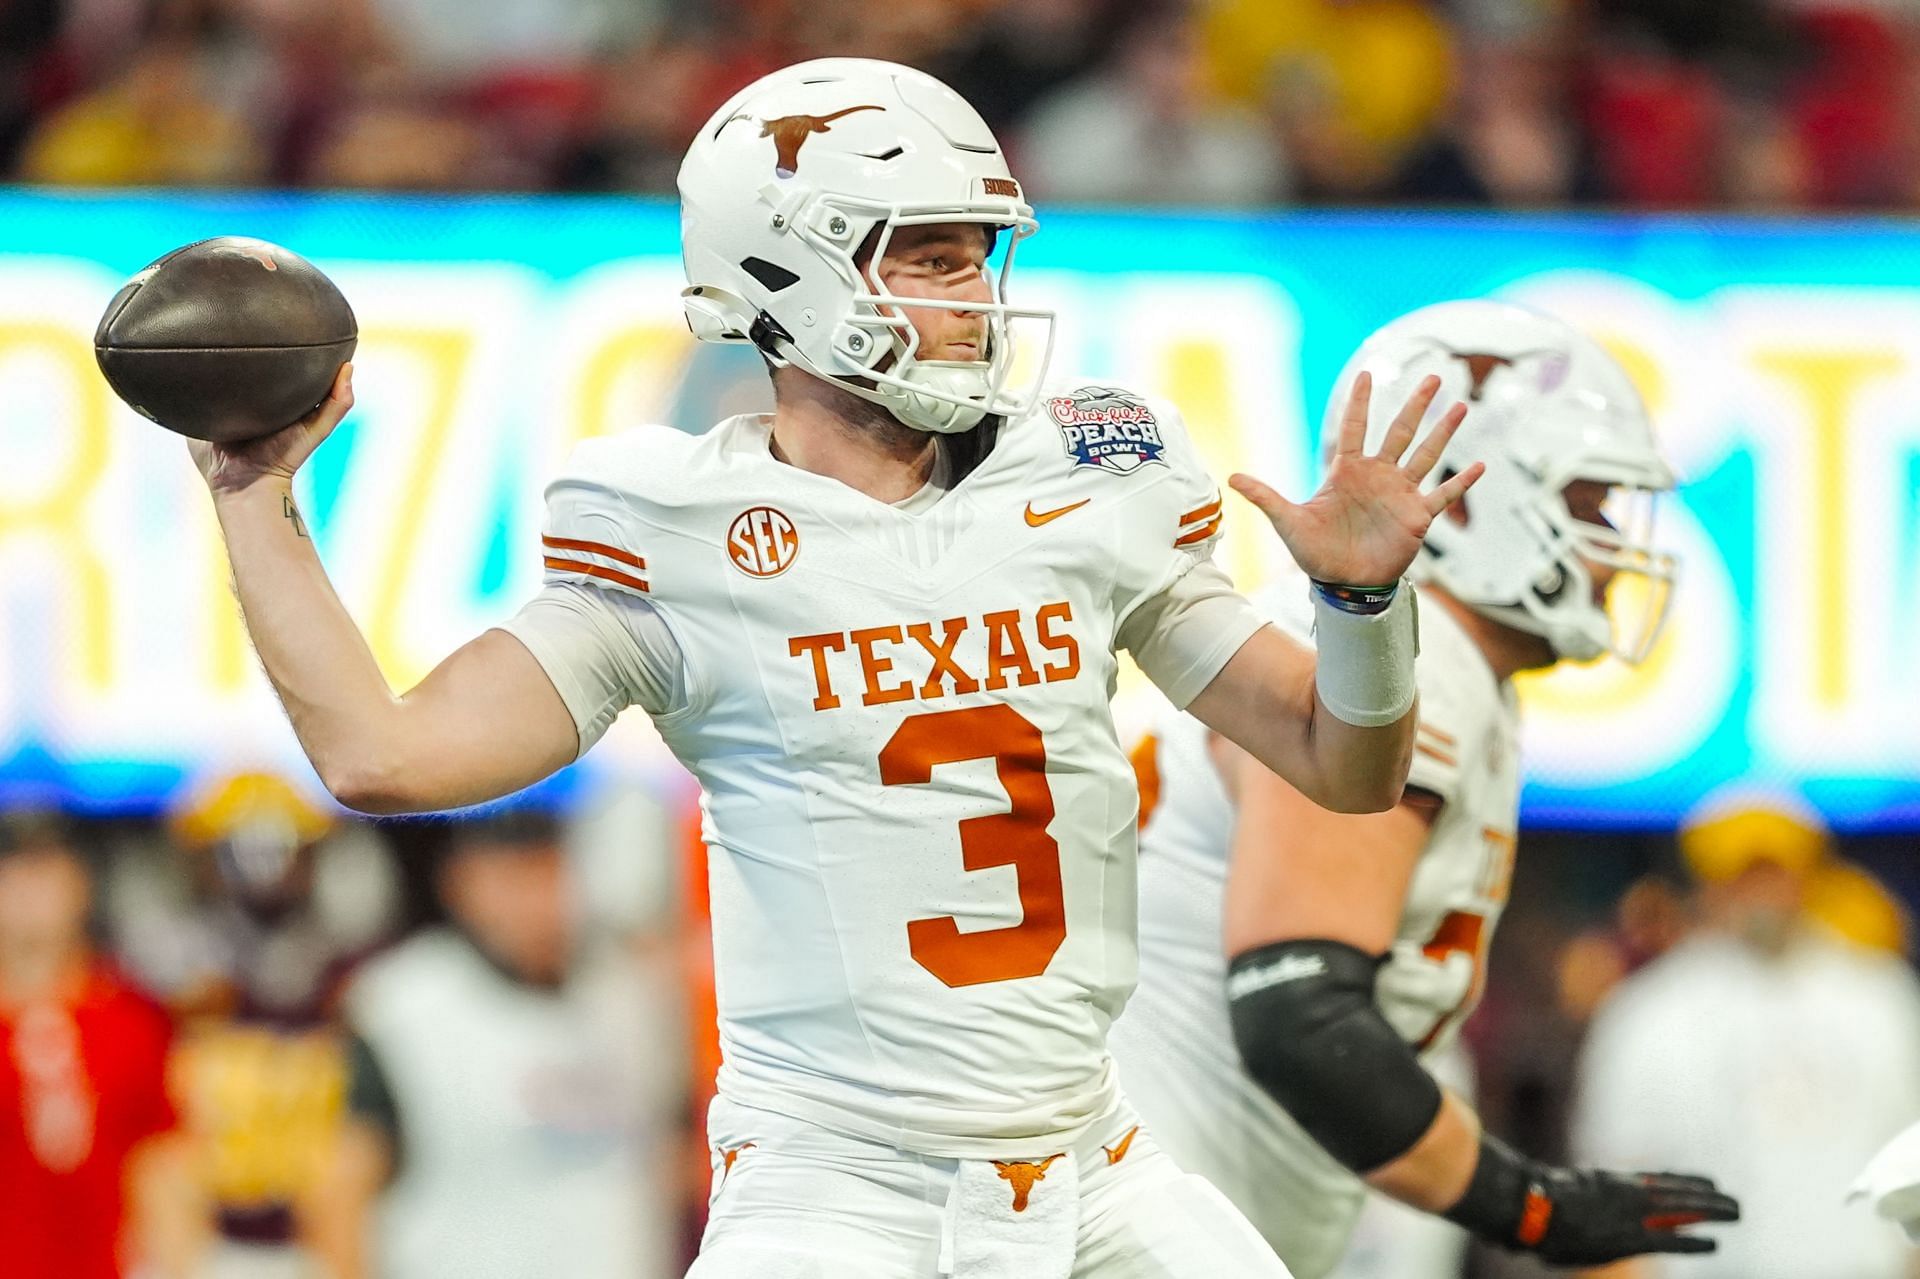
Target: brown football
<point x="226" y="340"/>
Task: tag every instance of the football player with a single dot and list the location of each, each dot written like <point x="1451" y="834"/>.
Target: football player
<point x="880" y="626"/>
<point x="1291" y="1065"/>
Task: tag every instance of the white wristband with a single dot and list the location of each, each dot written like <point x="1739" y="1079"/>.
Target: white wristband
<point x="1363" y="668"/>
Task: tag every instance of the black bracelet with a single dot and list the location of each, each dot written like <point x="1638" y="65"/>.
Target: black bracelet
<point x="1363" y="600"/>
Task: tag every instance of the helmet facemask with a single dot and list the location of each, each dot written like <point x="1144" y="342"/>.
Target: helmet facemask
<point x="1561" y="606"/>
<point x="875" y="351"/>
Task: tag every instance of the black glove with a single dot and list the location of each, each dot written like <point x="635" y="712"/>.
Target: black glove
<point x="1582" y="1216"/>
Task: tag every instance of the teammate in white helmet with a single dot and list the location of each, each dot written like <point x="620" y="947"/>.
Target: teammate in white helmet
<point x="879" y="625"/>
<point x="1302" y="968"/>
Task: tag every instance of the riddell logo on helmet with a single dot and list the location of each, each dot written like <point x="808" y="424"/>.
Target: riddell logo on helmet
<point x="790" y="133"/>
<point x="762" y="542"/>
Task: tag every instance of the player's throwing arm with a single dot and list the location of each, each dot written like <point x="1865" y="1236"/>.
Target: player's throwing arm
<point x="240" y="346"/>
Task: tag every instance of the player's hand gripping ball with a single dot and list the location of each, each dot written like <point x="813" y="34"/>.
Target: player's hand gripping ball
<point x="226" y="340"/>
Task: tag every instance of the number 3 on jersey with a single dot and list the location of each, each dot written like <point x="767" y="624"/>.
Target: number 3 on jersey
<point x="1016" y="838"/>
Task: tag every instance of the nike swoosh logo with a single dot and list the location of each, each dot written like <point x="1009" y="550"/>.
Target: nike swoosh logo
<point x="1116" y="1153"/>
<point x="1036" y="518"/>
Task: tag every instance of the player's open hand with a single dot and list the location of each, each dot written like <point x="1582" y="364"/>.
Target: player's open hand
<point x="230" y="468"/>
<point x="1366" y="524"/>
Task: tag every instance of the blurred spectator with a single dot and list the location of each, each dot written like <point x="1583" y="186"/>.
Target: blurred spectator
<point x="1853" y="905"/>
<point x="500" y="1067"/>
<point x="1749" y="104"/>
<point x="402" y="140"/>
<point x="1143" y="131"/>
<point x="650" y="100"/>
<point x="1019" y="53"/>
<point x="1510" y="136"/>
<point x="27" y="30"/>
<point x="84" y="1159"/>
<point x="1764" y="1052"/>
<point x="444" y="42"/>
<point x="250" y="951"/>
<point x="156" y="123"/>
<point x="915" y="32"/>
<point x="1352" y="85"/>
<point x="1650" y="919"/>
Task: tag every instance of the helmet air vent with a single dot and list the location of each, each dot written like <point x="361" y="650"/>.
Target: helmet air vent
<point x="772" y="276"/>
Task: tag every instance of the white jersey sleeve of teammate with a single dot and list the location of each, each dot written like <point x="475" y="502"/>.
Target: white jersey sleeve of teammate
<point x="1178" y="613"/>
<point x="600" y="640"/>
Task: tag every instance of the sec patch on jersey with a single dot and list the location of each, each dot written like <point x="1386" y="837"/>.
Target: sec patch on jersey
<point x="1108" y="428"/>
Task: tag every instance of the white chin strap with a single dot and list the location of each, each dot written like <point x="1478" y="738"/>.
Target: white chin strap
<point x="1581" y="637"/>
<point x="960" y="380"/>
<point x="1575" y="632"/>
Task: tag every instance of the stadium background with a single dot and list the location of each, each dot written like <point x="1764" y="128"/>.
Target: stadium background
<point x="1232" y="194"/>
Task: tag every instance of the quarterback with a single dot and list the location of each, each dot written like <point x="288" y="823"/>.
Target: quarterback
<point x="1300" y="968"/>
<point x="879" y="625"/>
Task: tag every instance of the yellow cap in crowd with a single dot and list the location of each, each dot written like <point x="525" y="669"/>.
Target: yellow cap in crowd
<point x="228" y="804"/>
<point x="1723" y="838"/>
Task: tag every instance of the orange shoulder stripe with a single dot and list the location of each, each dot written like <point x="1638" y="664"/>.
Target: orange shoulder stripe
<point x="1445" y="739"/>
<point x="1434" y="752"/>
<point x="1206" y="512"/>
<point x="1200" y="534"/>
<point x="592" y="548"/>
<point x="596" y="570"/>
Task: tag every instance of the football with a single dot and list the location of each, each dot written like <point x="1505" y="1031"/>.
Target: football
<point x="226" y="339"/>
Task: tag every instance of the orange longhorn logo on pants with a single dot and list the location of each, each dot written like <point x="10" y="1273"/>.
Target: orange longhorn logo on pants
<point x="727" y="1157"/>
<point x="1022" y="1173"/>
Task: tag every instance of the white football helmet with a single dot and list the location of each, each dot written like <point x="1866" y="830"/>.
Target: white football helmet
<point x="783" y="187"/>
<point x="1545" y="407"/>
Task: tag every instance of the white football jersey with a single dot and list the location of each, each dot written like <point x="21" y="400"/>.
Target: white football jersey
<point x="1175" y="1045"/>
<point x="921" y="821"/>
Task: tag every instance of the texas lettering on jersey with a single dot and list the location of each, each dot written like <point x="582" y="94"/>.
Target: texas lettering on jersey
<point x="929" y="660"/>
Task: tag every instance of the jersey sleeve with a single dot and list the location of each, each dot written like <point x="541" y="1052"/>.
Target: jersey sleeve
<point x="1175" y="610"/>
<point x="593" y="628"/>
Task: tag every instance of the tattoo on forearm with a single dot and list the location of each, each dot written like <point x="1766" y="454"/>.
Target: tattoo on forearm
<point x="292" y="512"/>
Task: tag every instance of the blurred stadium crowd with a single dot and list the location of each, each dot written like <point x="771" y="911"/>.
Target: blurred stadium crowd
<point x="1749" y="104"/>
<point x="254" y="1038"/>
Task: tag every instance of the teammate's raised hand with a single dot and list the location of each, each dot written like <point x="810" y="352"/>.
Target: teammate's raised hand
<point x="1365" y="525"/>
<point x="228" y="468"/>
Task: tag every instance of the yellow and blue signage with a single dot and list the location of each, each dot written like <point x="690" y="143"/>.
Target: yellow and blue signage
<point x="1781" y="361"/>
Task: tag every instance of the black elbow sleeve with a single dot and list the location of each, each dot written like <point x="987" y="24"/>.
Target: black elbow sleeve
<point x="1310" y="1034"/>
